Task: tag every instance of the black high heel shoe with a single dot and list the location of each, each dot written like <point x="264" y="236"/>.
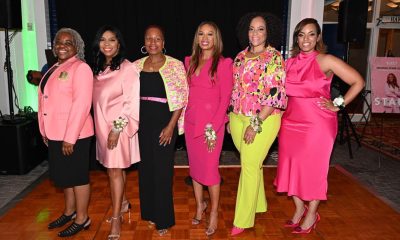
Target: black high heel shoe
<point x="61" y="221"/>
<point x="74" y="228"/>
<point x="126" y="207"/>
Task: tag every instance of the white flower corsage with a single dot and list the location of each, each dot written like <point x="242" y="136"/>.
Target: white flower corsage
<point x="209" y="133"/>
<point x="255" y="123"/>
<point x="119" y="124"/>
<point x="339" y="102"/>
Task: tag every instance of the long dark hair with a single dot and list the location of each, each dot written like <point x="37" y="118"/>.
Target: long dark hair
<point x="99" y="58"/>
<point x="196" y="51"/>
<point x="393" y="83"/>
<point x="320" y="47"/>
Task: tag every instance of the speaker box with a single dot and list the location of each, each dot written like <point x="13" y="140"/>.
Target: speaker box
<point x="352" y="21"/>
<point x="10" y="14"/>
<point x="21" y="147"/>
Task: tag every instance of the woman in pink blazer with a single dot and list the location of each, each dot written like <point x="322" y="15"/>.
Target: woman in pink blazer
<point x="210" y="86"/>
<point x="65" y="99"/>
<point x="115" y="100"/>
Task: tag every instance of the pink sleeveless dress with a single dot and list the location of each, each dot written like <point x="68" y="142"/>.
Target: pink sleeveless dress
<point x="307" y="132"/>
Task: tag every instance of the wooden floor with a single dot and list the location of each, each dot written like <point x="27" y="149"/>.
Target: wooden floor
<point x="351" y="212"/>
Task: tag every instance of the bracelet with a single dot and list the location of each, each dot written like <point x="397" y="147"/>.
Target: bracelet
<point x="209" y="133"/>
<point x="119" y="124"/>
<point x="255" y="123"/>
<point x="339" y="102"/>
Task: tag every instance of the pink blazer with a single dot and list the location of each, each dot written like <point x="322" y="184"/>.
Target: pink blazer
<point x="64" y="104"/>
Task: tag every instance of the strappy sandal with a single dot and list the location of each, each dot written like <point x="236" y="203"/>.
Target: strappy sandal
<point x="196" y="221"/>
<point x="211" y="229"/>
<point x="114" y="236"/>
<point x="162" y="232"/>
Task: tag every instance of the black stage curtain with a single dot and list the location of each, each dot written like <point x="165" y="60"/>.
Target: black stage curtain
<point x="179" y="18"/>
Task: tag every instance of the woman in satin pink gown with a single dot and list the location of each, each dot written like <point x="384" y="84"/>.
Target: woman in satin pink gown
<point x="309" y="125"/>
<point x="115" y="99"/>
<point x="210" y="85"/>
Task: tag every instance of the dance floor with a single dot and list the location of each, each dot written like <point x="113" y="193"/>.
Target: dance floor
<point x="351" y="212"/>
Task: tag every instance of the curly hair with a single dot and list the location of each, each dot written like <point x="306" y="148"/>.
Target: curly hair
<point x="99" y="59"/>
<point x="274" y="29"/>
<point x="77" y="42"/>
<point x="196" y="50"/>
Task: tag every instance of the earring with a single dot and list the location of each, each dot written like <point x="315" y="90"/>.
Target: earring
<point x="164" y="51"/>
<point x="143" y="50"/>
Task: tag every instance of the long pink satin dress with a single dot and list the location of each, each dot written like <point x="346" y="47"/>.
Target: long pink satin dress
<point x="116" y="94"/>
<point x="207" y="103"/>
<point x="307" y="132"/>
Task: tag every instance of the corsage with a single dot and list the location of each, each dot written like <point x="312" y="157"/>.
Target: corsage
<point x="255" y="123"/>
<point x="339" y="102"/>
<point x="209" y="133"/>
<point x="119" y="124"/>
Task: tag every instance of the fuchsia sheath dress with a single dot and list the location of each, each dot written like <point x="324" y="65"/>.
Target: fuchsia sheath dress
<point x="307" y="132"/>
<point x="207" y="103"/>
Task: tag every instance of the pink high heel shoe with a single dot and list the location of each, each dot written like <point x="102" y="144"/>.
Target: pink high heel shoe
<point x="235" y="231"/>
<point x="298" y="229"/>
<point x="291" y="224"/>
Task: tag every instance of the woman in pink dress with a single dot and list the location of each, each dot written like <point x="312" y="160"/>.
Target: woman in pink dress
<point x="116" y="116"/>
<point x="210" y="86"/>
<point x="309" y="124"/>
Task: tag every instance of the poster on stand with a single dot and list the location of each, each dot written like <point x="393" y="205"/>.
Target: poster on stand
<point x="385" y="79"/>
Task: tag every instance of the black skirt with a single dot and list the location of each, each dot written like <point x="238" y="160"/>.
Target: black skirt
<point x="72" y="170"/>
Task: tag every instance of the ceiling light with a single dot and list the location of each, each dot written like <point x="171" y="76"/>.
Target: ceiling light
<point x="336" y="4"/>
<point x="392" y="5"/>
<point x="395" y="1"/>
<point x="334" y="8"/>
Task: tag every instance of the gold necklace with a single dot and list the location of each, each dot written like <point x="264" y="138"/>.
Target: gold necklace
<point x="152" y="65"/>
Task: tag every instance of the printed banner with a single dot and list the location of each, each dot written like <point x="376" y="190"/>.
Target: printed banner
<point x="385" y="78"/>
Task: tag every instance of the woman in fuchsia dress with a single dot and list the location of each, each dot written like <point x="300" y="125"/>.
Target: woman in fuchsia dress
<point x="309" y="124"/>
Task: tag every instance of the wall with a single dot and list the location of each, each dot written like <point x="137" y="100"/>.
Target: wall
<point x="26" y="53"/>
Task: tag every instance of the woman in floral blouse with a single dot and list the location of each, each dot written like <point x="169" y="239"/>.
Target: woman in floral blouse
<point x="257" y="99"/>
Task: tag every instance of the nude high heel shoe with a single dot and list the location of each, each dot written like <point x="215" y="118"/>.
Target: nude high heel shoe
<point x="115" y="236"/>
<point x="196" y="221"/>
<point x="126" y="208"/>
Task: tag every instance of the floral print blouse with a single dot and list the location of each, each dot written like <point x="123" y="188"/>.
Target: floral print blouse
<point x="258" y="81"/>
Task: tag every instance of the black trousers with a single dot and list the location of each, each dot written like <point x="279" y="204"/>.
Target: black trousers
<point x="156" y="167"/>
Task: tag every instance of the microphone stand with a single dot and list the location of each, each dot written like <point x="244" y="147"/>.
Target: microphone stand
<point x="10" y="118"/>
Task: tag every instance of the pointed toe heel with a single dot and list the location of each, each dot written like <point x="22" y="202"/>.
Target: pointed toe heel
<point x="235" y="231"/>
<point x="291" y="224"/>
<point x="299" y="230"/>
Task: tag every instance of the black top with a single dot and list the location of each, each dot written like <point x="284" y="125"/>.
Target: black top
<point x="152" y="85"/>
<point x="46" y="77"/>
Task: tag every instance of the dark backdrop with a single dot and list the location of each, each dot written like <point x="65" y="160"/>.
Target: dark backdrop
<point x="179" y="18"/>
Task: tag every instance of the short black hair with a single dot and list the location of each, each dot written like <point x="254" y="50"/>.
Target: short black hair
<point x="274" y="29"/>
